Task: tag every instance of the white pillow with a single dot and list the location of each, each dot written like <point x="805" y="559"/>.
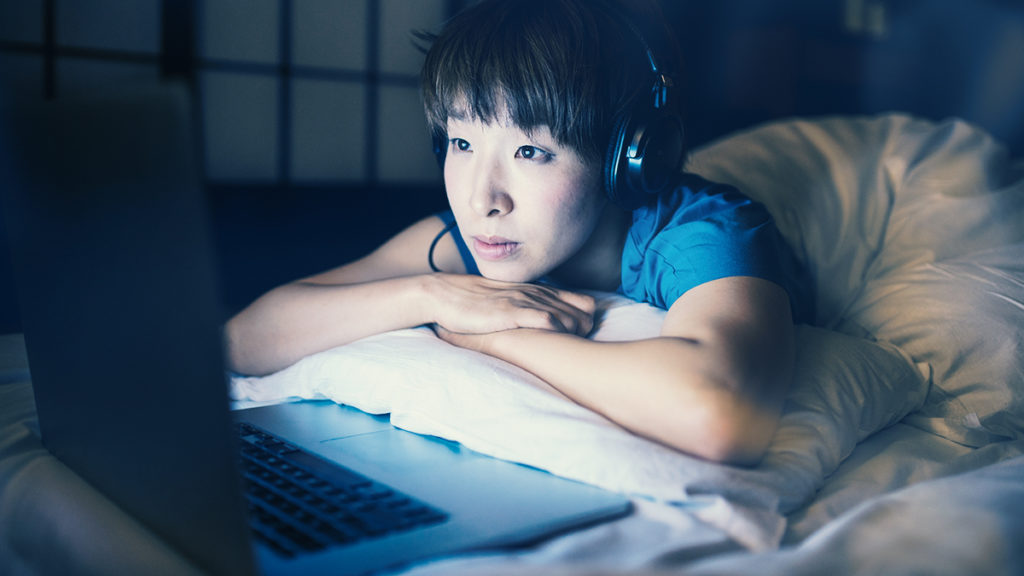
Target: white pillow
<point x="832" y="184"/>
<point x="965" y="317"/>
<point x="914" y="232"/>
<point x="845" y="388"/>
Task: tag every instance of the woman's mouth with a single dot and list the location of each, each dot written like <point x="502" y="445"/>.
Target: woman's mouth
<point x="494" y="247"/>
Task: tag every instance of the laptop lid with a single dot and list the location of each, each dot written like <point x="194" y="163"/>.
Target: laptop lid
<point x="115" y="277"/>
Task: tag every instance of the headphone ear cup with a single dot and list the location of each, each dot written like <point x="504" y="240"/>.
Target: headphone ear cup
<point x="614" y="172"/>
<point x="645" y="155"/>
<point x="660" y="154"/>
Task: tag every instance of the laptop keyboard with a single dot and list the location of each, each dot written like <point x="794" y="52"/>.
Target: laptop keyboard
<point x="299" y="502"/>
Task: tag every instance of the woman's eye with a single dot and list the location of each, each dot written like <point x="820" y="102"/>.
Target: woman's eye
<point x="533" y="153"/>
<point x="460" y="144"/>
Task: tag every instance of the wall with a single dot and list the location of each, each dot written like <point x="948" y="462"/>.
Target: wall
<point x="750" y="61"/>
<point x="310" y="114"/>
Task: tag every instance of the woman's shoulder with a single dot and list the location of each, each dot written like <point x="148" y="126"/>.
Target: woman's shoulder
<point x="698" y="232"/>
<point x="695" y="199"/>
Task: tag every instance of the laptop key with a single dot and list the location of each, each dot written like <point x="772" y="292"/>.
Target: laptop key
<point x="299" y="503"/>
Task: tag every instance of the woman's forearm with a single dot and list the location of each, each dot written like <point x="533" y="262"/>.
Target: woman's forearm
<point x="306" y="317"/>
<point x="301" y="318"/>
<point x="672" y="390"/>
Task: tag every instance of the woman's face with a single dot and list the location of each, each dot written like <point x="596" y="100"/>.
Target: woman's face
<point x="524" y="204"/>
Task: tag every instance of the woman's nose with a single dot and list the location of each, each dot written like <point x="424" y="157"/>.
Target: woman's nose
<point x="490" y="195"/>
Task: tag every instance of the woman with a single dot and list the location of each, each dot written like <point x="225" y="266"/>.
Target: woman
<point x="562" y="149"/>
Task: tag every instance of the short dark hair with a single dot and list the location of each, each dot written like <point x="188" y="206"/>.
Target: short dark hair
<point x="571" y="65"/>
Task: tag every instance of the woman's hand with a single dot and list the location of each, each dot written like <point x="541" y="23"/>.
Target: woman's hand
<point x="477" y="342"/>
<point x="476" y="305"/>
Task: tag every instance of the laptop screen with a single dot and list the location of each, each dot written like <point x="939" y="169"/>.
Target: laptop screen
<point x="112" y="256"/>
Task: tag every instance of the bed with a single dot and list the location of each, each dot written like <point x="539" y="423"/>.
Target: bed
<point x="900" y="449"/>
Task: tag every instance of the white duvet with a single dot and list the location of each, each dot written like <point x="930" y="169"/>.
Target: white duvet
<point x="915" y="233"/>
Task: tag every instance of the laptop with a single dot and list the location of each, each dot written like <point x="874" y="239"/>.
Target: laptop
<point x="120" y="309"/>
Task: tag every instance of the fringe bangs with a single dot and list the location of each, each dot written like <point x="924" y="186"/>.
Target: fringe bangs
<point x="529" y="63"/>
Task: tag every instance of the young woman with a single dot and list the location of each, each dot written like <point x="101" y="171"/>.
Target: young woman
<point x="562" y="154"/>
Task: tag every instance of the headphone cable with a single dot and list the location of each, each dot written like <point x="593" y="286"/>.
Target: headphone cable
<point x="430" y="254"/>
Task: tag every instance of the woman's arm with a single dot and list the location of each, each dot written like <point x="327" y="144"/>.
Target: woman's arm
<point x="711" y="385"/>
<point x="367" y="296"/>
<point x="389" y="289"/>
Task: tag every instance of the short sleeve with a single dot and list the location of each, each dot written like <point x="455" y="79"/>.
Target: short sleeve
<point x="702" y="232"/>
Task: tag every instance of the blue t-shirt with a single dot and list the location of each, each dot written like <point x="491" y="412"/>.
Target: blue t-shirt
<point x="699" y="232"/>
<point x="702" y="231"/>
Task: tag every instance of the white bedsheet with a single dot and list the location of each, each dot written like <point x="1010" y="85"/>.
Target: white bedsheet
<point x="52" y="522"/>
<point x="913" y="503"/>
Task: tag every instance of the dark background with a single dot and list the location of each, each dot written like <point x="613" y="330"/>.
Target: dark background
<point x="747" y="62"/>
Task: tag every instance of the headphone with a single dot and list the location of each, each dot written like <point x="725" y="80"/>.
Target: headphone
<point x="647" y="147"/>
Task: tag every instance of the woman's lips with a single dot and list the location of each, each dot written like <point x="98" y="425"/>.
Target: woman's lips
<point x="494" y="247"/>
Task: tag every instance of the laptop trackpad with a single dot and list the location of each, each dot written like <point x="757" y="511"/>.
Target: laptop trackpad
<point x="396" y="449"/>
<point x="312" y="422"/>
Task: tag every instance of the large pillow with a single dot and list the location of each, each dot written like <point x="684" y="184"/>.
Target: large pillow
<point x="964" y="317"/>
<point x="914" y="232"/>
<point x="831" y="183"/>
<point x="845" y="388"/>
